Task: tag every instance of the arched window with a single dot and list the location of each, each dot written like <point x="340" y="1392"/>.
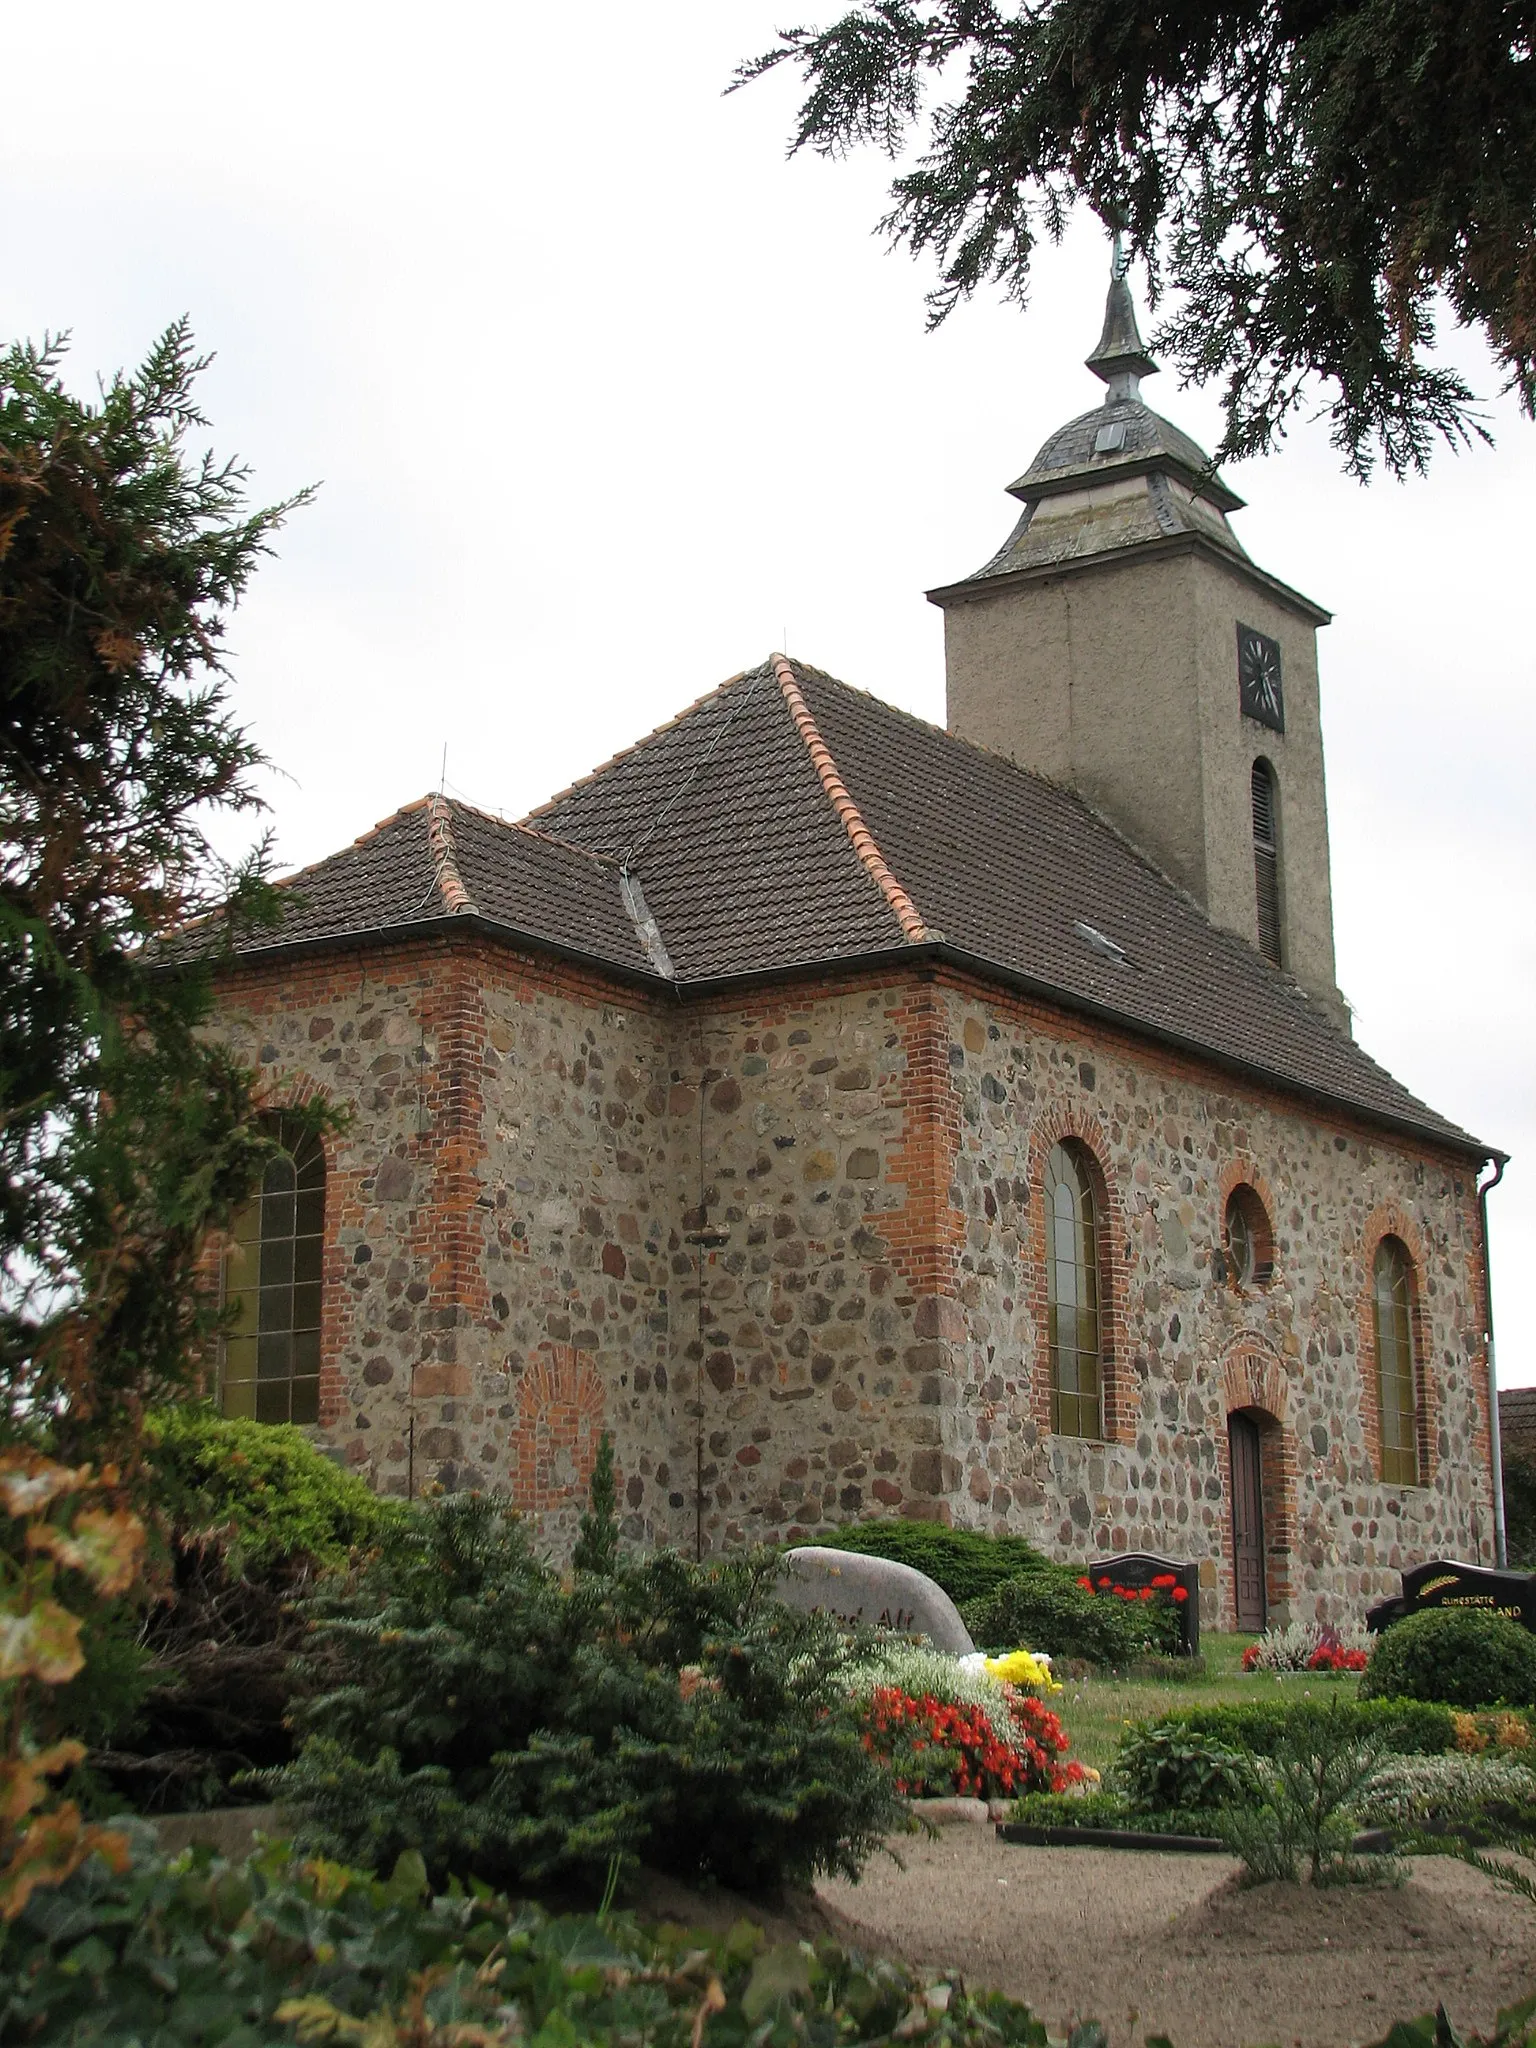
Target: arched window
<point x="1396" y="1381"/>
<point x="1250" y="1243"/>
<point x="1072" y="1293"/>
<point x="1266" y="859"/>
<point x="272" y="1281"/>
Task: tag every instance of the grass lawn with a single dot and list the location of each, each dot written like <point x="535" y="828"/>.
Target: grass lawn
<point x="1096" y="1711"/>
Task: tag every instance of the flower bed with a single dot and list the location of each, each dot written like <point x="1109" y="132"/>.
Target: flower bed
<point x="1309" y="1646"/>
<point x="937" y="1748"/>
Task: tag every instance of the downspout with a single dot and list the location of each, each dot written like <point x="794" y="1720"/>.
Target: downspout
<point x="1495" y="1443"/>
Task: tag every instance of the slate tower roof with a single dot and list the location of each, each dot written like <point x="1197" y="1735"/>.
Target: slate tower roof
<point x="1117" y="477"/>
<point x="786" y="823"/>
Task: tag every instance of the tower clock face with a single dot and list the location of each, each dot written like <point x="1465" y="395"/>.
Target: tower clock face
<point x="1258" y="678"/>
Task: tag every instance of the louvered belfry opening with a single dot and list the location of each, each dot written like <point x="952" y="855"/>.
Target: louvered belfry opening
<point x="1266" y="860"/>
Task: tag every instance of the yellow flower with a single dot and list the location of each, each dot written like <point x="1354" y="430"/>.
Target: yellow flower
<point x="1023" y="1668"/>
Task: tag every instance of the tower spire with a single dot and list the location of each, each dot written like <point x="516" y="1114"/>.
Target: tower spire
<point x="1120" y="359"/>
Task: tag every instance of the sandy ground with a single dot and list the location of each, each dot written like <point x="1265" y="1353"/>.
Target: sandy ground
<point x="1151" y="1944"/>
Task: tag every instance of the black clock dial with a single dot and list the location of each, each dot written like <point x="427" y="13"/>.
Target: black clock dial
<point x="1259" y="688"/>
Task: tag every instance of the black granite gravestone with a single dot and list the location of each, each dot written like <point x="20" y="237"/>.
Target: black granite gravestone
<point x="1446" y="1583"/>
<point x="1140" y="1568"/>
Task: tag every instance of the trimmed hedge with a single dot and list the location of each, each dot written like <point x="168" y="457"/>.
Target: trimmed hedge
<point x="1456" y="1654"/>
<point x="966" y="1563"/>
<point x="1405" y="1727"/>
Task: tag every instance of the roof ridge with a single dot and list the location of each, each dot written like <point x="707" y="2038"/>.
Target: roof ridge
<point x="862" y="839"/>
<point x="450" y="882"/>
<point x="646" y="739"/>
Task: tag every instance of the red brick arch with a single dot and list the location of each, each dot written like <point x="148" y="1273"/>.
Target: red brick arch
<point x="1242" y="1170"/>
<point x="1254" y="1376"/>
<point x="1071" y="1121"/>
<point x="560" y="1410"/>
<point x="1390" y="1219"/>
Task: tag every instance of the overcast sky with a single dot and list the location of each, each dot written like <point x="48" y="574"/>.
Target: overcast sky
<point x="607" y="400"/>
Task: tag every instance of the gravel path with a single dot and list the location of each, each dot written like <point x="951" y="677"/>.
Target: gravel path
<point x="1151" y="1944"/>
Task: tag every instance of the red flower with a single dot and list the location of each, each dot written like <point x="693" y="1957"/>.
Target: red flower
<point x="1165" y="1579"/>
<point x="1086" y="1581"/>
<point x="1180" y="1594"/>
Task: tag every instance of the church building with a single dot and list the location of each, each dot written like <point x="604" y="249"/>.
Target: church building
<point x="857" y="1117"/>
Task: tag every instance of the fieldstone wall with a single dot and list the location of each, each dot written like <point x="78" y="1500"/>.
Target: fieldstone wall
<point x="790" y="1252"/>
<point x="1171" y="1140"/>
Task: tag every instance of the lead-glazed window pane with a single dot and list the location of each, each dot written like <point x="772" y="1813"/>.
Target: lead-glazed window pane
<point x="1072" y="1295"/>
<point x="272" y="1277"/>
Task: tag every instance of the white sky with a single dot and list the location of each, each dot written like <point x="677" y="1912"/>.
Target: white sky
<point x="608" y="400"/>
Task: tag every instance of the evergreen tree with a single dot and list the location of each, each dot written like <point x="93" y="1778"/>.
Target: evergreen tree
<point x="597" y="1538"/>
<point x="124" y="1132"/>
<point x="1317" y="176"/>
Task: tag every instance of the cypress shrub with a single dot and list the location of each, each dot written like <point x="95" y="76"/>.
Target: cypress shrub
<point x="965" y="1562"/>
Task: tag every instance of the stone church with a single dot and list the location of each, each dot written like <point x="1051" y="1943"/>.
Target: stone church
<point x="857" y="1117"/>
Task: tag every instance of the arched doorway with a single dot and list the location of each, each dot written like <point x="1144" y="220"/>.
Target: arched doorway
<point x="1245" y="1463"/>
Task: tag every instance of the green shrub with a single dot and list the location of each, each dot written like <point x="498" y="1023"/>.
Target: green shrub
<point x="966" y="1563"/>
<point x="1048" y="1610"/>
<point x="202" y="1952"/>
<point x="260" y="1490"/>
<point x="1400" y="1727"/>
<point x="514" y="1730"/>
<point x="1458" y="1655"/>
<point x="178" y="1701"/>
<point x="1165" y="1766"/>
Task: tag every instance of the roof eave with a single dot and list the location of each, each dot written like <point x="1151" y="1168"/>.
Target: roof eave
<point x="443" y="927"/>
<point x="970" y="588"/>
<point x="927" y="955"/>
<point x="944" y="953"/>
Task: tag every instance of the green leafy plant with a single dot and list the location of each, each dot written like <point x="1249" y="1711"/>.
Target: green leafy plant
<point x="1458" y="1655"/>
<point x="202" y="1951"/>
<point x="505" y="1727"/>
<point x="66" y="1535"/>
<point x="1167" y="1767"/>
<point x="1302" y="1806"/>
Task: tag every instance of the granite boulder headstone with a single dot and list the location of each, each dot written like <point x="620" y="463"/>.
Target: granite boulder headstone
<point x="875" y="1591"/>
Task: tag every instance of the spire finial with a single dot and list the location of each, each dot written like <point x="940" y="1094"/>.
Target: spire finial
<point x="1120" y="359"/>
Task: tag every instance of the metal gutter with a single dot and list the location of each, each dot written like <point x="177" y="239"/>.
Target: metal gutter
<point x="1495" y="1434"/>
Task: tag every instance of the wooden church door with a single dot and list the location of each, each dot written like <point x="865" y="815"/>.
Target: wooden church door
<point x="1247" y="1522"/>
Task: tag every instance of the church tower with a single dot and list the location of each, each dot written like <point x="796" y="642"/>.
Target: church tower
<point x="1122" y="642"/>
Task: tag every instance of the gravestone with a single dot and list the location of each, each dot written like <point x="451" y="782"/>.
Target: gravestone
<point x="1444" y="1582"/>
<point x="1139" y="1568"/>
<point x="873" y="1590"/>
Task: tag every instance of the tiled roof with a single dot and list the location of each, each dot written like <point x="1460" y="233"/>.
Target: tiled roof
<point x="786" y="821"/>
<point x="1517" y="1420"/>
